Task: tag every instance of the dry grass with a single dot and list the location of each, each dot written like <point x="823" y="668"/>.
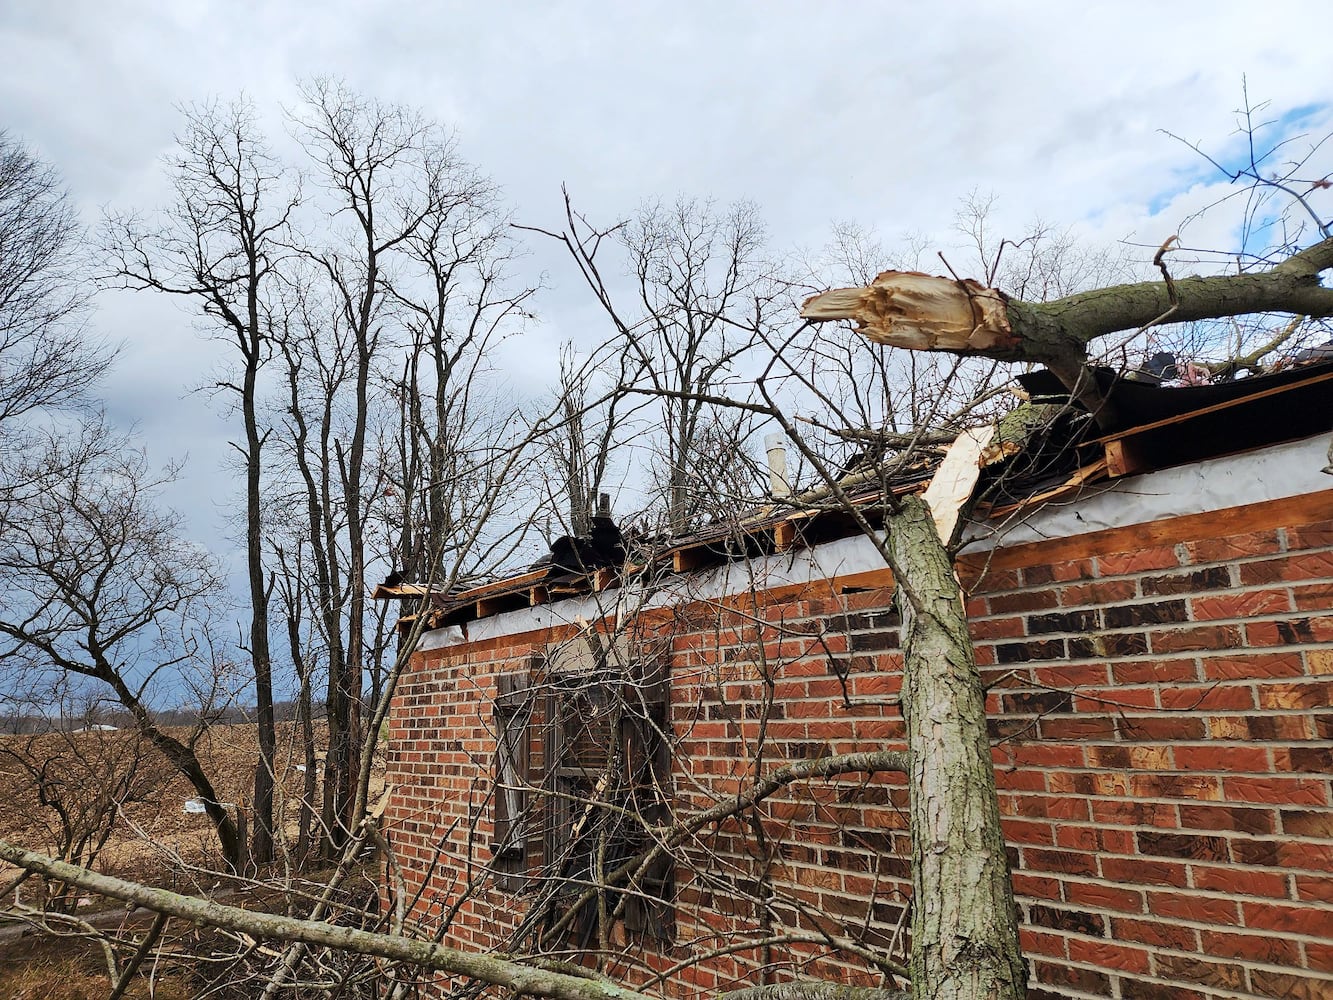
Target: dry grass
<point x="153" y="839"/>
<point x="77" y="979"/>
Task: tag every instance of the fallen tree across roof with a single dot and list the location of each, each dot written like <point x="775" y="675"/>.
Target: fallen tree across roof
<point x="919" y="312"/>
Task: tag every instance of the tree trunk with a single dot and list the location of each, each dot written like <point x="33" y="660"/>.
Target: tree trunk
<point x="964" y="925"/>
<point x="182" y="758"/>
<point x="262" y="849"/>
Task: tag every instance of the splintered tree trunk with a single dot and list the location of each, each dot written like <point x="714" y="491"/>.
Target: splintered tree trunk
<point x="964" y="926"/>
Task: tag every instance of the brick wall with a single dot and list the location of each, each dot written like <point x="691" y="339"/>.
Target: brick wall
<point x="1160" y="700"/>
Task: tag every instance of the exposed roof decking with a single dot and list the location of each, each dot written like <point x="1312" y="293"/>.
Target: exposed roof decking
<point x="1297" y="404"/>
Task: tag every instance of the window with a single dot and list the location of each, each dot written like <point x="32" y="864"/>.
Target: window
<point x="607" y="745"/>
<point x="600" y="738"/>
<point x="510" y="801"/>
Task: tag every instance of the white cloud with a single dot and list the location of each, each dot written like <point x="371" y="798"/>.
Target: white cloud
<point x="882" y="113"/>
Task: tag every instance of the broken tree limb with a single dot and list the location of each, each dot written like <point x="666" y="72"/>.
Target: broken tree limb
<point x="955" y="480"/>
<point x="920" y="312"/>
<point x="497" y="970"/>
<point x="923" y="313"/>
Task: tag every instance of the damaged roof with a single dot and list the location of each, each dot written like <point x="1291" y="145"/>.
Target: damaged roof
<point x="1047" y="449"/>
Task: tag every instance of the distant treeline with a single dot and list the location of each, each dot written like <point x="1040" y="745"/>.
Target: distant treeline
<point x="24" y="723"/>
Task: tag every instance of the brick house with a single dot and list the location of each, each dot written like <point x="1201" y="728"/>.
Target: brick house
<point x="1157" y="641"/>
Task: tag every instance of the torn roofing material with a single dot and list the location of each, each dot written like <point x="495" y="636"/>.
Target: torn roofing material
<point x="1145" y="402"/>
<point x="1042" y="452"/>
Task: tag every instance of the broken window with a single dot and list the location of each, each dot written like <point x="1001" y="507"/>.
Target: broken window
<point x="607" y="750"/>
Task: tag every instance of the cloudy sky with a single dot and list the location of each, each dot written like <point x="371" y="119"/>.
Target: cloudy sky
<point x="883" y="114"/>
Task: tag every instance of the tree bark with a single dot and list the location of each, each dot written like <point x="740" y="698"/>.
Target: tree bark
<point x="919" y="312"/>
<point x="964" y="925"/>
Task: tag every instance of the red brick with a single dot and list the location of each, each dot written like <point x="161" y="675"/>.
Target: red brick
<point x="1154" y="671"/>
<point x="1291" y="986"/>
<point x="1310" y="536"/>
<point x="1080" y="728"/>
<point x="1288" y="919"/>
<point x="1040" y="942"/>
<point x="1125" y="563"/>
<point x="1179" y="640"/>
<point x="1289" y="631"/>
<point x="1063" y="918"/>
<point x="1228" y="818"/>
<point x="1314" y="694"/>
<point x="1108" y="955"/>
<point x="1303" y="759"/>
<point x="1136" y="871"/>
<point x="1260" y="728"/>
<point x="1323" y="725"/>
<point x="1098" y="699"/>
<point x="1318" y="957"/>
<point x="883" y="685"/>
<point x="1297" y="566"/>
<point x="1138" y="757"/>
<point x="1074" y="569"/>
<point x="1020" y="779"/>
<point x="1030" y="600"/>
<point x="997" y="628"/>
<point x="1239" y="880"/>
<point x="1250" y="947"/>
<point x="994" y="579"/>
<point x="1231" y="547"/>
<point x="1308" y="823"/>
<point x="1105" y="897"/>
<point x="1253" y="666"/>
<point x="1277" y="791"/>
<point x="1204" y="910"/>
<point x="1313" y="596"/>
<point x="1132" y="988"/>
<point x="1044" y="755"/>
<point x="1217" y="697"/>
<point x="1285" y="853"/>
<point x="1018" y="831"/>
<point x="1088" y="784"/>
<point x="1069" y="862"/>
<point x="1198" y="787"/>
<point x="1077" y="838"/>
<point x="1038" y="574"/>
<point x="1161" y="815"/>
<point x="1068" y="675"/>
<point x="1253" y="760"/>
<point x="1187" y="846"/>
<point x="1165" y="935"/>
<point x="1221" y="607"/>
<point x="1117" y="841"/>
<point x="1084" y="980"/>
<point x="1098" y="592"/>
<point x="1315" y="888"/>
<point x="1195" y="970"/>
<point x="1036" y="886"/>
<point x="1319" y="661"/>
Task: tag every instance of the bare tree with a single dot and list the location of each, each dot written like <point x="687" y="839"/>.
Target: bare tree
<point x="100" y="584"/>
<point x="387" y="335"/>
<point x="594" y="423"/>
<point x="79" y="780"/>
<point x="45" y="356"/>
<point x="220" y="245"/>
<point x="703" y="290"/>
